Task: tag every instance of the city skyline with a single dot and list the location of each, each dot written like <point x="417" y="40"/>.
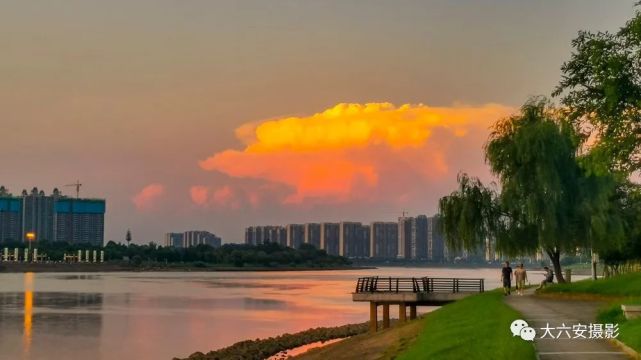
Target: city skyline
<point x="37" y="216"/>
<point x="409" y="238"/>
<point x="213" y="116"/>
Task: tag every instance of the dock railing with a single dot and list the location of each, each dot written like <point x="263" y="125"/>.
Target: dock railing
<point x="375" y="284"/>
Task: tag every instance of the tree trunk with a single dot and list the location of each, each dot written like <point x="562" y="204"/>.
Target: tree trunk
<point x="555" y="257"/>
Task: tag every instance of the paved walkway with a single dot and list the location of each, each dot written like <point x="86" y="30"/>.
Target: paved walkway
<point x="539" y="312"/>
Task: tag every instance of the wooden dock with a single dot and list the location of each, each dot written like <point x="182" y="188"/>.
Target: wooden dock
<point x="411" y="292"/>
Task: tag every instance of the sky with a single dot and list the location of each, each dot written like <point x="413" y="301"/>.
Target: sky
<point x="217" y="115"/>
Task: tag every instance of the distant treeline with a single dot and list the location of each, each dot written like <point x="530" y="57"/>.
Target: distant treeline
<point x="236" y="255"/>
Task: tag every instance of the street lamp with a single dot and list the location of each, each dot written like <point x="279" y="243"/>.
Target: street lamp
<point x="31" y="236"/>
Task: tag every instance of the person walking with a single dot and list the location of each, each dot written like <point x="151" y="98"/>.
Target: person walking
<point x="520" y="276"/>
<point x="506" y="278"/>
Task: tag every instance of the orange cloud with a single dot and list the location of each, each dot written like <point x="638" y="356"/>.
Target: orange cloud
<point x="356" y="151"/>
<point x="222" y="197"/>
<point x="147" y="198"/>
<point x="199" y="194"/>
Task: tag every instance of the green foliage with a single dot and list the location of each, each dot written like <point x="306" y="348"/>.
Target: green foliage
<point x="136" y="260"/>
<point x="564" y="173"/>
<point x="467" y="215"/>
<point x="453" y="332"/>
<point x="611" y="314"/>
<point x="601" y="88"/>
<point x="547" y="200"/>
<point x="628" y="201"/>
<point x="238" y="255"/>
<point x="630" y="333"/>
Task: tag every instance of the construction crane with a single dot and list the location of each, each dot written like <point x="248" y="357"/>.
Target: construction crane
<point x="77" y="185"/>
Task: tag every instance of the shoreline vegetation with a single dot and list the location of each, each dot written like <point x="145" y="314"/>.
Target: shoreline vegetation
<point x="260" y="349"/>
<point x="133" y="257"/>
<point x="10" y="267"/>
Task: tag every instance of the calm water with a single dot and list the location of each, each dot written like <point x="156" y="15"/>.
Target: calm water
<point x="163" y="315"/>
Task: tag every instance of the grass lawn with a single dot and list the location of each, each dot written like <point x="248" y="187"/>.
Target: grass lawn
<point x="623" y="285"/>
<point x="623" y="289"/>
<point x="477" y="327"/>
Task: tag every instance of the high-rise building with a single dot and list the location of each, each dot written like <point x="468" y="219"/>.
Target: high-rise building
<point x="435" y="241"/>
<point x="490" y="251"/>
<point x="363" y="249"/>
<point x="418" y="241"/>
<point x="51" y="217"/>
<point x="10" y="217"/>
<point x="250" y="236"/>
<point x="383" y="242"/>
<point x="257" y="235"/>
<point x="174" y="239"/>
<point x="194" y="238"/>
<point x="275" y="234"/>
<point x="353" y="240"/>
<point x="312" y="234"/>
<point x="404" y="237"/>
<point x="281" y="235"/>
<point x="269" y="234"/>
<point x="295" y="235"/>
<point x="329" y="237"/>
<point x="38" y="214"/>
<point x="80" y="220"/>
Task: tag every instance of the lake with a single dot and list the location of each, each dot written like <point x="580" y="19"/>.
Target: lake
<point x="161" y="315"/>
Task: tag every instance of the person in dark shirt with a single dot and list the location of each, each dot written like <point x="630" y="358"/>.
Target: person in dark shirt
<point x="506" y="278"/>
<point x="548" y="277"/>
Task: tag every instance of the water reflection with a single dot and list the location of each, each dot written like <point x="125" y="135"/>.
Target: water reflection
<point x="28" y="312"/>
<point x="48" y="325"/>
<point x="164" y="315"/>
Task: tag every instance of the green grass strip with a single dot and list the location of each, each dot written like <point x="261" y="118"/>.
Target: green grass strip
<point x="623" y="285"/>
<point x="624" y="289"/>
<point x="477" y="327"/>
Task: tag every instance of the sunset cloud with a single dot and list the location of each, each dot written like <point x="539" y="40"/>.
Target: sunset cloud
<point x="147" y="198"/>
<point x="199" y="194"/>
<point x="358" y="151"/>
<point x="226" y="196"/>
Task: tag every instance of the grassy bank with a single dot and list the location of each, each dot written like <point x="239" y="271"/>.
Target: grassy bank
<point x="623" y="289"/>
<point x="623" y="285"/>
<point x="476" y="327"/>
<point x="385" y="344"/>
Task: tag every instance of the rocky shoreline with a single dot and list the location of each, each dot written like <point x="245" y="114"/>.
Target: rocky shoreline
<point x="260" y="349"/>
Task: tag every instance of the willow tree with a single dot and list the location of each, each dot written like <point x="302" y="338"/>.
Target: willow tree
<point x="544" y="198"/>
